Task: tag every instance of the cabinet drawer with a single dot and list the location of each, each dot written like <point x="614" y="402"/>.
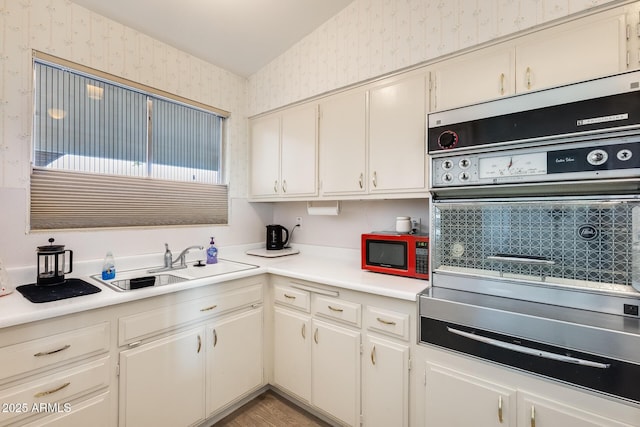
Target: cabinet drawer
<point x="92" y="412"/>
<point x="138" y="326"/>
<point x="292" y="297"/>
<point x="61" y="387"/>
<point x="337" y="309"/>
<point x="388" y="322"/>
<point x="27" y="356"/>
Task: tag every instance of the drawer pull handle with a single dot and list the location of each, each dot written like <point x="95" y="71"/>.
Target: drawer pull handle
<point x="373" y="355"/>
<point x="500" y="409"/>
<point x="289" y="296"/>
<point x="208" y="308"/>
<point x="385" y="322"/>
<point x="360" y="181"/>
<point x="275" y="186"/>
<point x="199" y="343"/>
<point x="315" y="336"/>
<point x="304" y="331"/>
<point x="48" y="392"/>
<point x="215" y="338"/>
<point x="339" y="310"/>
<point x="46" y="353"/>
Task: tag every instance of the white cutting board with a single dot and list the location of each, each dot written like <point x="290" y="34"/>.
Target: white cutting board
<point x="273" y="253"/>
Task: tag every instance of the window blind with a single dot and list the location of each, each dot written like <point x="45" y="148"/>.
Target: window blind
<point x="71" y="200"/>
<point x="106" y="154"/>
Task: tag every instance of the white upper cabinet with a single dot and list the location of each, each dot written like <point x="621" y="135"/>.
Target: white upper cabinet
<point x="397" y="153"/>
<point x="265" y="156"/>
<point x="582" y="50"/>
<point x="343" y="145"/>
<point x="473" y="78"/>
<point x="591" y="47"/>
<point x="372" y="140"/>
<point x="284" y="154"/>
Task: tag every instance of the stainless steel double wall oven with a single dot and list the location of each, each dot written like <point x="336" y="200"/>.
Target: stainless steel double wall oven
<point x="535" y="233"/>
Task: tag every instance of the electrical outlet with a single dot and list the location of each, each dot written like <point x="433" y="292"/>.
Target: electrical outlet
<point x="299" y="221"/>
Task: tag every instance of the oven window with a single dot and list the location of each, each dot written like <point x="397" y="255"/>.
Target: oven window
<point x="386" y="253"/>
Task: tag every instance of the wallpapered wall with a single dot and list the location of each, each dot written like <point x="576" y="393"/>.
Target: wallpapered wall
<point x="374" y="37"/>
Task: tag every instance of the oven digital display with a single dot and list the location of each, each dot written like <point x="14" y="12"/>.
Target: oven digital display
<point x="386" y="253"/>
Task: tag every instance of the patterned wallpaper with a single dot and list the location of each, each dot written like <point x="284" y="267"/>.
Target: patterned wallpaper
<point x="63" y="29"/>
<point x="374" y="37"/>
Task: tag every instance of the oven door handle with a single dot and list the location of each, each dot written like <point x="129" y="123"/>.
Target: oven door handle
<point x="519" y="259"/>
<point x="528" y="350"/>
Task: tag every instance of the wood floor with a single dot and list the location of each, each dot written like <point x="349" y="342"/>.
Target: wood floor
<point x="270" y="410"/>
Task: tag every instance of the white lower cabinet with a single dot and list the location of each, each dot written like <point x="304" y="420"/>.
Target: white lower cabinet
<point x="292" y="352"/>
<point x="179" y="377"/>
<point x="319" y="356"/>
<point x="537" y="411"/>
<point x="335" y="371"/>
<point x="496" y="396"/>
<point x="162" y="383"/>
<point x="456" y="399"/>
<point x="385" y="383"/>
<point x="234" y="358"/>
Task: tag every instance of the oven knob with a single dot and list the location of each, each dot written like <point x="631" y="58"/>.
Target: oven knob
<point x="448" y="139"/>
<point x="447" y="177"/>
<point x="464" y="176"/>
<point x="447" y="165"/>
<point x="464" y="163"/>
<point x="624" y="155"/>
<point x="597" y="157"/>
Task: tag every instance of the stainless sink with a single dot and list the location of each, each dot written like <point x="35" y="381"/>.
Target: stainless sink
<point x="142" y="278"/>
<point x="142" y="281"/>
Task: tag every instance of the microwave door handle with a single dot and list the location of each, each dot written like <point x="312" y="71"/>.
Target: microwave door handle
<point x="521" y="259"/>
<point x="528" y="350"/>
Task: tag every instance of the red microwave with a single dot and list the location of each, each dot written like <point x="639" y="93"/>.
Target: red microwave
<point x="398" y="254"/>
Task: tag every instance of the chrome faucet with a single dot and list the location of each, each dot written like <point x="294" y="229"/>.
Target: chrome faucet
<point x="169" y="261"/>
<point x="181" y="257"/>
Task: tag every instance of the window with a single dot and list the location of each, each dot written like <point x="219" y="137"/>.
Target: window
<point x="112" y="153"/>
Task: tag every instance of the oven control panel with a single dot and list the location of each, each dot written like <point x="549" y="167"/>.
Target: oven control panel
<point x="614" y="159"/>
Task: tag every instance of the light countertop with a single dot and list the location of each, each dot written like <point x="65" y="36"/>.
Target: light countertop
<point x="330" y="266"/>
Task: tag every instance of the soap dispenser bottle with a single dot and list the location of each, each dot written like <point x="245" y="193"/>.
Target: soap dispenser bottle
<point x="212" y="253"/>
<point x="108" y="267"/>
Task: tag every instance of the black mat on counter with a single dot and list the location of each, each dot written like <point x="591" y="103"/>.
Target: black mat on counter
<point x="69" y="289"/>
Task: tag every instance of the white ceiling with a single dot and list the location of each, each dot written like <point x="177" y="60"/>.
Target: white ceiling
<point x="239" y="35"/>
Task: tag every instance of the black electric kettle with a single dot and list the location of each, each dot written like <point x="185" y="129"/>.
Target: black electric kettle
<point x="277" y="237"/>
